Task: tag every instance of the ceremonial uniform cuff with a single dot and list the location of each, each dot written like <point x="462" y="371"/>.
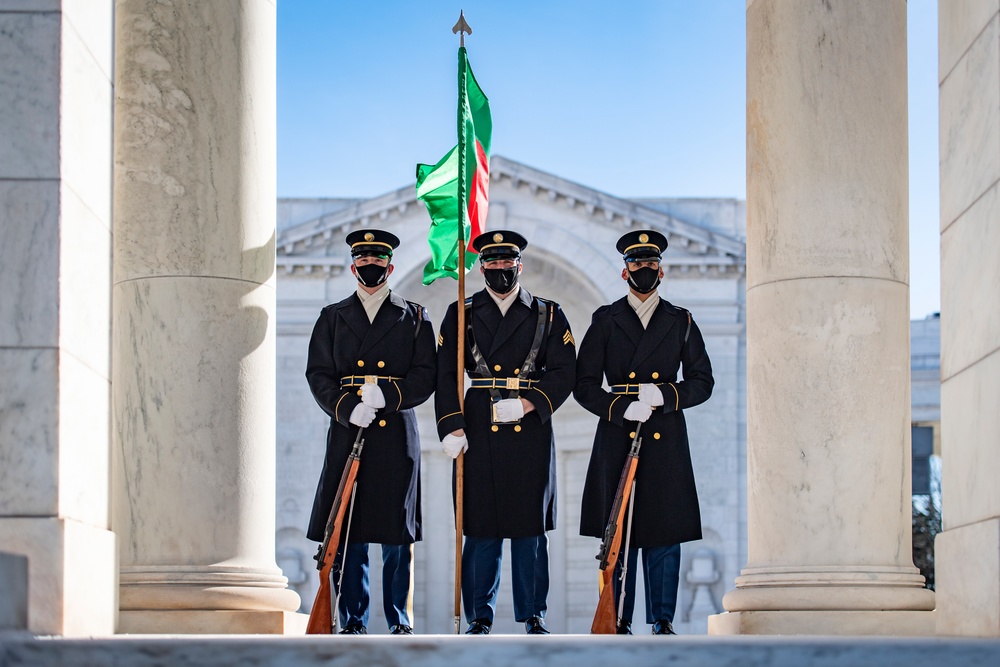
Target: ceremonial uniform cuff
<point x="450" y="423"/>
<point x="348" y="400"/>
<point x="539" y="399"/>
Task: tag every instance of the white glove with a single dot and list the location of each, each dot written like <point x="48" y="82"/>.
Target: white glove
<point x="371" y="394"/>
<point x="453" y="445"/>
<point x="362" y="415"/>
<point x="638" y="411"/>
<point x="508" y="410"/>
<point x="649" y="394"/>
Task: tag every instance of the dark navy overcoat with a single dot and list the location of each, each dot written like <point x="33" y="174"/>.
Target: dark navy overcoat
<point x="617" y="348"/>
<point x="398" y="344"/>
<point x="510" y="471"/>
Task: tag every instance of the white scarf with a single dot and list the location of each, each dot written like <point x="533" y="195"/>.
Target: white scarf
<point x="372" y="302"/>
<point x="507" y="300"/>
<point x="644" y="309"/>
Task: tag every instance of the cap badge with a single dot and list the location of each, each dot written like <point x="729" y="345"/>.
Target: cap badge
<point x="369" y="237"/>
<point x="643" y="238"/>
<point x="497" y="238"/>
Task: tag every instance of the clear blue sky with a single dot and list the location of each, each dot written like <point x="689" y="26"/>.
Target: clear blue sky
<point x="634" y="98"/>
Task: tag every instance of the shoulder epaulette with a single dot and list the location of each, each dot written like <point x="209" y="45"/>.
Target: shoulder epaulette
<point x="419" y="311"/>
<point x="685" y="311"/>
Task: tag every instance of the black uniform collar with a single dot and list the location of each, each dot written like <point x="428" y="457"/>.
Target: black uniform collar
<point x="353" y="312"/>
<point x="647" y="340"/>
<point x="490" y="321"/>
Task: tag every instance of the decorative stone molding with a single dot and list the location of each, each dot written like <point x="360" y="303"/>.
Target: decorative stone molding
<point x="316" y="246"/>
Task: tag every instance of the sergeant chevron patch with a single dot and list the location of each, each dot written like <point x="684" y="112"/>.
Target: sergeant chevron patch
<point x="568" y="339"/>
<point x="440" y="339"/>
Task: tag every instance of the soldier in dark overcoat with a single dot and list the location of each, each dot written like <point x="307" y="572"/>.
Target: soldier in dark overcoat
<point x="639" y="343"/>
<point x="520" y="355"/>
<point x="371" y="361"/>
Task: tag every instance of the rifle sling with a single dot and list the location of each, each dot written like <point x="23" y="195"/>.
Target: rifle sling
<point x="528" y="367"/>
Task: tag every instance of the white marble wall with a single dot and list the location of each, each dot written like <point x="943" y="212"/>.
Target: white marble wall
<point x="827" y="329"/>
<point x="194" y="336"/>
<point x="55" y="266"/>
<point x="571" y="259"/>
<point x="968" y="551"/>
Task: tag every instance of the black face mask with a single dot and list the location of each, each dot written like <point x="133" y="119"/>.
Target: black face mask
<point x="371" y="275"/>
<point x="644" y="280"/>
<point x="501" y="281"/>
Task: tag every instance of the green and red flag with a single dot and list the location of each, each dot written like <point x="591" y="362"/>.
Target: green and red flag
<point x="456" y="189"/>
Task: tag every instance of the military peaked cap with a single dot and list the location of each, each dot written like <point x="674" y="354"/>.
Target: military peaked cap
<point x="499" y="244"/>
<point x="642" y="244"/>
<point x="372" y="242"/>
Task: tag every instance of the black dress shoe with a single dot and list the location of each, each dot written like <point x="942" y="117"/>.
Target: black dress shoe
<point x="352" y="629"/>
<point x="535" y="626"/>
<point x="624" y="628"/>
<point x="663" y="628"/>
<point x="401" y="630"/>
<point x="480" y="626"/>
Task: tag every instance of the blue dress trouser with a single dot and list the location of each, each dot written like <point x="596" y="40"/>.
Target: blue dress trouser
<point x="353" y="598"/>
<point x="661" y="569"/>
<point x="529" y="567"/>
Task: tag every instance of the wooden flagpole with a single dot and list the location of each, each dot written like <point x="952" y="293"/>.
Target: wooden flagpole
<point x="460" y="460"/>
<point x="461" y="28"/>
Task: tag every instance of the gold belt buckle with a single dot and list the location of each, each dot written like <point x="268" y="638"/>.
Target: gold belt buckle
<point x="513" y="383"/>
<point x="371" y="379"/>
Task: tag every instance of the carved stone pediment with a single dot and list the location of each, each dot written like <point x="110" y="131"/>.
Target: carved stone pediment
<point x="517" y="193"/>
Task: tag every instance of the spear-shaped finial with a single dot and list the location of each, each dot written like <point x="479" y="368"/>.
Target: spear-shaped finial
<point x="462" y="28"/>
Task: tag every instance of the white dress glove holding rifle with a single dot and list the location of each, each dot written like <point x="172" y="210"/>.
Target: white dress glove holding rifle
<point x="362" y="415"/>
<point x="638" y="411"/>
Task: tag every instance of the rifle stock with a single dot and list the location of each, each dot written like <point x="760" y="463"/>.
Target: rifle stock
<point x="321" y="615"/>
<point x="605" y="617"/>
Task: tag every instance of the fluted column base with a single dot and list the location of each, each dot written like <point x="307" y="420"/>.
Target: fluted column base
<point x="829" y="588"/>
<point x="829" y="600"/>
<point x="213" y="587"/>
<point x="213" y="600"/>
<point x="838" y="623"/>
<point x="207" y="622"/>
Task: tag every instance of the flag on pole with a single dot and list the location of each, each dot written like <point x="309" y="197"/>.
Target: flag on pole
<point x="456" y="189"/>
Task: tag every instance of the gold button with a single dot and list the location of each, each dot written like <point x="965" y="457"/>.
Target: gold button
<point x="517" y="429"/>
<point x="381" y="364"/>
<point x="656" y="436"/>
<point x="359" y="392"/>
<point x="655" y="375"/>
<point x="497" y="367"/>
<point x="631" y="375"/>
<point x="360" y="363"/>
<point x="516" y="371"/>
<point x="381" y="422"/>
<point x="632" y="434"/>
<point x="494" y="428"/>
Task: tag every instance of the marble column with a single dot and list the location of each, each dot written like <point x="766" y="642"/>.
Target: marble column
<point x="55" y="313"/>
<point x="967" y="552"/>
<point x="828" y="371"/>
<point x="194" y="318"/>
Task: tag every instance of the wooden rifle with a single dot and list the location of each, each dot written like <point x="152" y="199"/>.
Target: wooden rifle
<point x="321" y="616"/>
<point x="606" y="617"/>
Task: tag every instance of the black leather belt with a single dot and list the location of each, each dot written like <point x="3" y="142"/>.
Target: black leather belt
<point x="358" y="380"/>
<point x="501" y="383"/>
<point x="630" y="389"/>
